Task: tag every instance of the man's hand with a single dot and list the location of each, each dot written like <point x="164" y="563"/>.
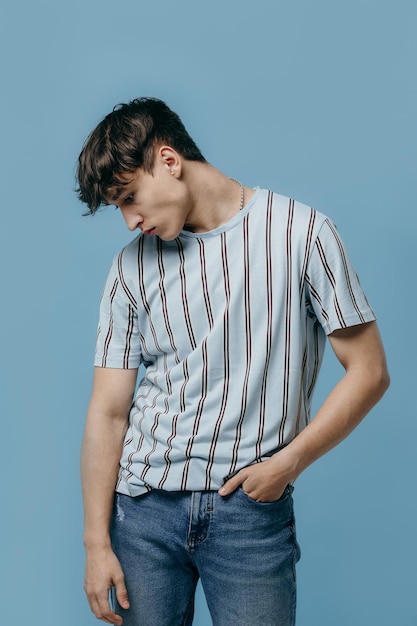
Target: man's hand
<point x="263" y="482"/>
<point x="103" y="571"/>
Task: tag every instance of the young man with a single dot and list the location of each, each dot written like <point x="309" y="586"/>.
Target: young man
<point x="225" y="297"/>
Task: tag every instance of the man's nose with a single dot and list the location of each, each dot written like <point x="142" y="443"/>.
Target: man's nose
<point x="133" y="221"/>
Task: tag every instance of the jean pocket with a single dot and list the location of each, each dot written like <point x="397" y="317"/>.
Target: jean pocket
<point x="287" y="491"/>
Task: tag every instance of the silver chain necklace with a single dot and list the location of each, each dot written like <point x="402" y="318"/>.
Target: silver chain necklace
<point x="242" y="192"/>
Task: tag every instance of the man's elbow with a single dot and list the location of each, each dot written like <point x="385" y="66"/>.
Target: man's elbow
<point x="380" y="380"/>
<point x="386" y="381"/>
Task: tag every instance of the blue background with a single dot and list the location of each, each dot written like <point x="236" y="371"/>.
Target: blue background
<point x="315" y="100"/>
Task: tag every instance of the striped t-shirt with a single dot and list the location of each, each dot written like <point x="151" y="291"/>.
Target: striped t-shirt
<point x="230" y="326"/>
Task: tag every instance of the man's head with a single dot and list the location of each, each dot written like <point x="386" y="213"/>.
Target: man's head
<point x="124" y="141"/>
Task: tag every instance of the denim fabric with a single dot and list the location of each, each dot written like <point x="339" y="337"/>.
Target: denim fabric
<point x="244" y="552"/>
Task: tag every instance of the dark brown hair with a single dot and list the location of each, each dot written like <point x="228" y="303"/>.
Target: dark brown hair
<point x="124" y="141"/>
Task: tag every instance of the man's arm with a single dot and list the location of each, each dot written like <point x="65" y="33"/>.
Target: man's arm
<point x="106" y="424"/>
<point x="359" y="349"/>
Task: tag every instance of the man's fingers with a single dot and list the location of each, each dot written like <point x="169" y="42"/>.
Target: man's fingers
<point x="101" y="608"/>
<point x="232" y="484"/>
<point x="121" y="594"/>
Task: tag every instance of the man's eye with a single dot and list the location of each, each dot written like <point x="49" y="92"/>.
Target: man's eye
<point x="129" y="198"/>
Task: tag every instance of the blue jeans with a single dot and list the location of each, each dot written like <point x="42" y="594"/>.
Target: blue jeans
<point x="244" y="552"/>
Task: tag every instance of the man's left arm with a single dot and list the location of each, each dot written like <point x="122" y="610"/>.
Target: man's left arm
<point x="359" y="349"/>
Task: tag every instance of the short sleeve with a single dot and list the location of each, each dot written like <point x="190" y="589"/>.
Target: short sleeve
<point x="332" y="285"/>
<point x="118" y="342"/>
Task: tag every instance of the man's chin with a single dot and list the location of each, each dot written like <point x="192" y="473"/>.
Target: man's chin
<point x="168" y="236"/>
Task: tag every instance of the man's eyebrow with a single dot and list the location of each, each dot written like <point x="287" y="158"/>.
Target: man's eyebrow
<point x="122" y="187"/>
<point x="116" y="195"/>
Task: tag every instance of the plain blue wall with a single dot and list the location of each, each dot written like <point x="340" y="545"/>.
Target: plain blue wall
<point x="316" y="100"/>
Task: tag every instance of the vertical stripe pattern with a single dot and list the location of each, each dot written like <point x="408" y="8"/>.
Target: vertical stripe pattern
<point x="230" y="329"/>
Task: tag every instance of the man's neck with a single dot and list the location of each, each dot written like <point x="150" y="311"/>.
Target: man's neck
<point x="216" y="197"/>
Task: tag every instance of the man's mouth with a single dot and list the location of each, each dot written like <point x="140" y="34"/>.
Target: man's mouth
<point x="151" y="231"/>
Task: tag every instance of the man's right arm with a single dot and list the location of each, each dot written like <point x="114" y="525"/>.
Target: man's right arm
<point x="106" y="425"/>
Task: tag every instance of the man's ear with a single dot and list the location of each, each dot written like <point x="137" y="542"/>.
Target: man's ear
<point x="170" y="159"/>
